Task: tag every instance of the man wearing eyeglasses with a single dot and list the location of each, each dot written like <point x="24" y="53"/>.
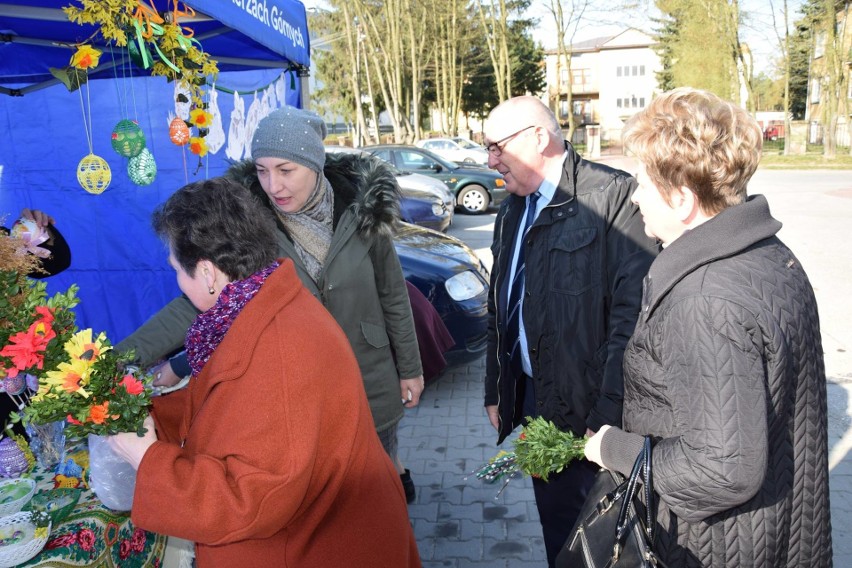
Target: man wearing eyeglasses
<point x="570" y="254"/>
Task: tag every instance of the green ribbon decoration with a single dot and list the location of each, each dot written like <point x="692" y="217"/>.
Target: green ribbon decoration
<point x="184" y="43"/>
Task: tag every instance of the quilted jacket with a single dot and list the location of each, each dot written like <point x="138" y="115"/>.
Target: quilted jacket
<point x="725" y="371"/>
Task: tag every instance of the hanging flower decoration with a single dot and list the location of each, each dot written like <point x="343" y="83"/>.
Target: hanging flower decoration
<point x="200" y="118"/>
<point x="163" y="45"/>
<point x="198" y="146"/>
<point x="85" y="57"/>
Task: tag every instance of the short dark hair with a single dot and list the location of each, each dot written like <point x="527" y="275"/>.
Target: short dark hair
<point x="217" y="220"/>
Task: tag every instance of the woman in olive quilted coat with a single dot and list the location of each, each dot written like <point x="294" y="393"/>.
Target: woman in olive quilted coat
<point x="725" y="368"/>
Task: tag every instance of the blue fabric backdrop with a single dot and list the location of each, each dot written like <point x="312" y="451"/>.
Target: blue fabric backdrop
<point x="117" y="261"/>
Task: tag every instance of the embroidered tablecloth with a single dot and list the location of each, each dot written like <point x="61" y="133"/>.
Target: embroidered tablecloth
<point x="93" y="535"/>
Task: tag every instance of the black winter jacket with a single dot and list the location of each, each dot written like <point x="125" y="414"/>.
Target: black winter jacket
<point x="725" y="371"/>
<point x="586" y="255"/>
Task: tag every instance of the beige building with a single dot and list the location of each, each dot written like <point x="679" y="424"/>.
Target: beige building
<point x="613" y="77"/>
<point x="818" y="83"/>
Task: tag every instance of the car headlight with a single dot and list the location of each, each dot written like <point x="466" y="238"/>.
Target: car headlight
<point x="464" y="286"/>
<point x="437" y="209"/>
<point x="499" y="182"/>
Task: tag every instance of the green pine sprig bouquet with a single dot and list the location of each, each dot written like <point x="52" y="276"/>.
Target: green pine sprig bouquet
<point x="539" y="451"/>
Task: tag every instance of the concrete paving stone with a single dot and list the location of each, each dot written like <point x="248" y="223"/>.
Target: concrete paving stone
<point x="465" y="563"/>
<point x="470" y="529"/>
<point x="440" y="564"/>
<point x="427" y="512"/>
<point x="473" y="512"/>
<point x="443" y="495"/>
<point x="447" y="549"/>
<point x="492" y="512"/>
<point x="433" y="464"/>
<point x="511" y="548"/>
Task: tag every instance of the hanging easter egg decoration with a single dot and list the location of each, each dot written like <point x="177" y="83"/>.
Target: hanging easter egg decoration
<point x="94" y="174"/>
<point x="127" y="138"/>
<point x="178" y="131"/>
<point x="142" y="169"/>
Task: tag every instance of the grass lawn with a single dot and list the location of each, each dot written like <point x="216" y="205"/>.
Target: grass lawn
<point x="813" y="159"/>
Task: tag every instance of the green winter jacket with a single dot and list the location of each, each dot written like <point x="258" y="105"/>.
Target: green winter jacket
<point x="361" y="284"/>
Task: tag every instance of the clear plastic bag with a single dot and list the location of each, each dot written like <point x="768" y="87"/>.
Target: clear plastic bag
<point x="111" y="478"/>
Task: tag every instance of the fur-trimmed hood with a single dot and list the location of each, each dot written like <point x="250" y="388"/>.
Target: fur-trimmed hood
<point x="366" y="185"/>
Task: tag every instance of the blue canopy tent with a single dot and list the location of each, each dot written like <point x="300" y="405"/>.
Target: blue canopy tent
<point x="262" y="52"/>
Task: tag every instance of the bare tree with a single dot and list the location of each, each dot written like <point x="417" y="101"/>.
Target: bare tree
<point x="495" y="20"/>
<point x="566" y="29"/>
<point x="784" y="45"/>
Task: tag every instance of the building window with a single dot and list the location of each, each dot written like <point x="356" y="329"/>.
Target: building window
<point x="815" y="88"/>
<point x="618" y="103"/>
<point x="618" y="71"/>
<point x="641" y="70"/>
<point x="563" y="76"/>
<point x="641" y="102"/>
<point x="563" y="108"/>
<point x="819" y="45"/>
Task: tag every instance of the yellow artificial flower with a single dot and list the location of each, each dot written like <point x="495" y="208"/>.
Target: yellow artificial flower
<point x="71" y="377"/>
<point x="85" y="57"/>
<point x="200" y="118"/>
<point x="198" y="146"/>
<point x="41" y="532"/>
<point x="81" y="346"/>
<point x="74" y="375"/>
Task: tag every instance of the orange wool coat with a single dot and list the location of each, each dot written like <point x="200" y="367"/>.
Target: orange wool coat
<point x="270" y="456"/>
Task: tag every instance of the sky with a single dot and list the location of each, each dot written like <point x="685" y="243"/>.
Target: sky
<point x="758" y="28"/>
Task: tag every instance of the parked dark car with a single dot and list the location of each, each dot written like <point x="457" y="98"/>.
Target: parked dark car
<point x="425" y="202"/>
<point x="454" y="281"/>
<point x="475" y="188"/>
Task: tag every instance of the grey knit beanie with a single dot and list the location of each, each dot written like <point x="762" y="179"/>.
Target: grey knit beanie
<point x="292" y="134"/>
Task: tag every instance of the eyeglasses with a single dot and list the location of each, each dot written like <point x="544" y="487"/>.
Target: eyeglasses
<point x="496" y="148"/>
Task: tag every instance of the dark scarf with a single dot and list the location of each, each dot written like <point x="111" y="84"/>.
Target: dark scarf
<point x="209" y="328"/>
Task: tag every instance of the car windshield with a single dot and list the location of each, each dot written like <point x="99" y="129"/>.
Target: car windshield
<point x="446" y="164"/>
<point x="467" y="144"/>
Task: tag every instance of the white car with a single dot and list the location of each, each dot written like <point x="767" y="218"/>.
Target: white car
<point x="458" y="150"/>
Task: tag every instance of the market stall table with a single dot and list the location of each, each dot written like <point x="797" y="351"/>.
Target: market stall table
<point x="92" y="534"/>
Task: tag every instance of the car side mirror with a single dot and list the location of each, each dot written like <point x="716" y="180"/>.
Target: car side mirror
<point x="437" y="167"/>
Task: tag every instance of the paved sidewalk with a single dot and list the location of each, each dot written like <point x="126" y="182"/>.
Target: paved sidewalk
<point x="459" y="523"/>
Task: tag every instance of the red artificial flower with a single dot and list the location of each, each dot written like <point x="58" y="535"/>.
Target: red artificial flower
<point x="86" y="538"/>
<point x="46" y="315"/>
<point x="72" y="420"/>
<point x="26" y="348"/>
<point x="132" y="385"/>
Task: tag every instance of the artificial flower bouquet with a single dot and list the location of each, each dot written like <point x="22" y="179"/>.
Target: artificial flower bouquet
<point x="540" y="449"/>
<point x="53" y="372"/>
<point x="94" y="389"/>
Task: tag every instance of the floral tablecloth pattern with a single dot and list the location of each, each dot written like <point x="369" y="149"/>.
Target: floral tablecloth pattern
<point x="93" y="535"/>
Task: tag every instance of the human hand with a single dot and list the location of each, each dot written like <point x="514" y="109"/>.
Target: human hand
<point x="593" y="446"/>
<point x="164" y="376"/>
<point x="131" y="447"/>
<point x="41" y="218"/>
<point x="410" y="390"/>
<point x="493" y="416"/>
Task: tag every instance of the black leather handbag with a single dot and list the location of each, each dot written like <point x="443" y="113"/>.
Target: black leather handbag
<point x="615" y="528"/>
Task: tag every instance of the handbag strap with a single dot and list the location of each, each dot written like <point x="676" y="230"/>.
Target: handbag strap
<point x="642" y="470"/>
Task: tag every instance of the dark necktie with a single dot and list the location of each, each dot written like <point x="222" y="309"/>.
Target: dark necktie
<point x="513" y="328"/>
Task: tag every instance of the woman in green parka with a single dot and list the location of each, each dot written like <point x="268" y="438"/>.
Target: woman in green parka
<point x="335" y="219"/>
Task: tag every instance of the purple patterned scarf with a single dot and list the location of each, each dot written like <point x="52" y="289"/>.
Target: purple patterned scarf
<point x="209" y="328"/>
